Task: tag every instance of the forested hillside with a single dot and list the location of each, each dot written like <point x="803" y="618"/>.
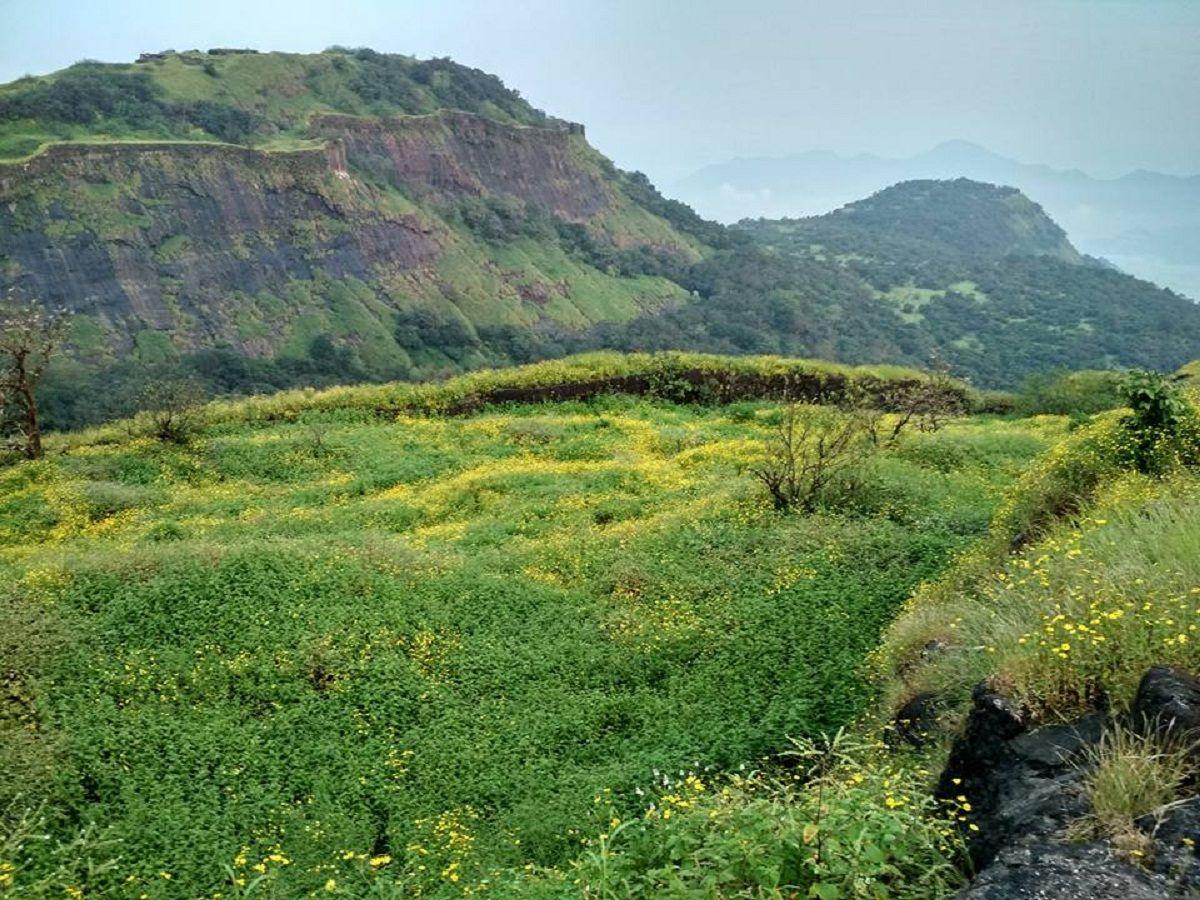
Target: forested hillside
<point x="262" y="220"/>
<point x="990" y="283"/>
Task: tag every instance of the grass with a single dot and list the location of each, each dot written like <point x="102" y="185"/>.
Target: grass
<point x="1087" y="578"/>
<point x="1131" y="775"/>
<point x="323" y="646"/>
<point x="694" y="377"/>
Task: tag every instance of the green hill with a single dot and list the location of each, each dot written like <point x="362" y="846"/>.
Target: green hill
<point x="241" y="96"/>
<point x="305" y="218"/>
<point x="960" y="217"/>
<point x="258" y="221"/>
<point x="989" y="283"/>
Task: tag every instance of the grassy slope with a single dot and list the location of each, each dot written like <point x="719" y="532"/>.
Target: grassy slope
<point x="340" y="637"/>
<point x="1102" y="585"/>
<point x="477" y="282"/>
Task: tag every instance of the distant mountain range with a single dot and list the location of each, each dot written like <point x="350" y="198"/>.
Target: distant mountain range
<point x="1146" y="223"/>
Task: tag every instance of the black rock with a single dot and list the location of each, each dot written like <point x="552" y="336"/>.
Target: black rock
<point x="1055" y="745"/>
<point x="916" y="719"/>
<point x="1020" y="784"/>
<point x="979" y="766"/>
<point x="1167" y="701"/>
<point x="1053" y="870"/>
<point x="1176" y="835"/>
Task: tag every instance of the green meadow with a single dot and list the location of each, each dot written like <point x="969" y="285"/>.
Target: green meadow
<point x="339" y="649"/>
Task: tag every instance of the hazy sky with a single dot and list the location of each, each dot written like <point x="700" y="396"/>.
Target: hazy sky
<point x="1103" y="85"/>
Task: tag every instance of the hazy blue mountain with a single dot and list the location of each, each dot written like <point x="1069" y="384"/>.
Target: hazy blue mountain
<point x="1146" y="223"/>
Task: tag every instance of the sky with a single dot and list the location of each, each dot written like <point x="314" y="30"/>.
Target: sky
<point x="1107" y="86"/>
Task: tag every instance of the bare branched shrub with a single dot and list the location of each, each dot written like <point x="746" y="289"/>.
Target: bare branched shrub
<point x="811" y="449"/>
<point x="925" y="405"/>
<point x="173" y="410"/>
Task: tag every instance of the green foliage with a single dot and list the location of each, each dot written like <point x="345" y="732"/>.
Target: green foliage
<point x="847" y="823"/>
<point x="1157" y="404"/>
<point x="408" y="654"/>
<point x="1163" y="425"/>
<point x="391" y="82"/>
<point x="122" y="102"/>
<point x="1001" y="292"/>
<point x="1085" y="580"/>
<point x="1062" y="393"/>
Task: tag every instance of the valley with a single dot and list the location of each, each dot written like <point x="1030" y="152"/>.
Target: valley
<point x="258" y="221"/>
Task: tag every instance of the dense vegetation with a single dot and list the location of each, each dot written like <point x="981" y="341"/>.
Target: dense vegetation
<point x="332" y="643"/>
<point x="985" y="280"/>
<point x="1087" y="576"/>
<point x="960" y="273"/>
<point x="240" y="98"/>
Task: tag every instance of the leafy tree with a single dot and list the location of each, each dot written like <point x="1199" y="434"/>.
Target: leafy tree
<point x="1158" y="413"/>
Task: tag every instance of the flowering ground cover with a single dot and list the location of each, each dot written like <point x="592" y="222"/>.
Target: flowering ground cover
<point x="340" y="652"/>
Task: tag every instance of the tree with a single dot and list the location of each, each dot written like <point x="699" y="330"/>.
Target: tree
<point x="29" y="338"/>
<point x="1159" y="413"/>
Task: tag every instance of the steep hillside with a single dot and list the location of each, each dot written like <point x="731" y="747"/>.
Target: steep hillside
<point x="990" y="283"/>
<point x="377" y="217"/>
<point x="256" y="221"/>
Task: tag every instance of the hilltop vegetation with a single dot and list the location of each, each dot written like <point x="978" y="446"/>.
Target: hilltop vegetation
<point x="258" y="221"/>
<point x="241" y="97"/>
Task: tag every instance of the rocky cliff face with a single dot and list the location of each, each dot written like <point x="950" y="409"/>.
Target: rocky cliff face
<point x="454" y="154"/>
<point x="208" y="244"/>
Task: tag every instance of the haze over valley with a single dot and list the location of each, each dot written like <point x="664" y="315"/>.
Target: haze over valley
<point x="1146" y="223"/>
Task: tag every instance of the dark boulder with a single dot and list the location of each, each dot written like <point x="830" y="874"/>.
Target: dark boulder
<point x="1176" y="835"/>
<point x="1025" y="787"/>
<point x="1020" y="785"/>
<point x="916" y="719"/>
<point x="1168" y="702"/>
<point x="1053" y="870"/>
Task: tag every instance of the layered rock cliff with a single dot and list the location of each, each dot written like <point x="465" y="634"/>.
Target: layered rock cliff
<point x="166" y="247"/>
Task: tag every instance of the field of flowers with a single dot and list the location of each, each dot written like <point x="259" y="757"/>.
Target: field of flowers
<point x="346" y="653"/>
<point x="1087" y="576"/>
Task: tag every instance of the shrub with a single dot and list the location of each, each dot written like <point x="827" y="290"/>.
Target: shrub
<point x="173" y="410"/>
<point x="1160" y="416"/>
<point x="1067" y="393"/>
<point x="810" y="452"/>
<point x="845" y="822"/>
